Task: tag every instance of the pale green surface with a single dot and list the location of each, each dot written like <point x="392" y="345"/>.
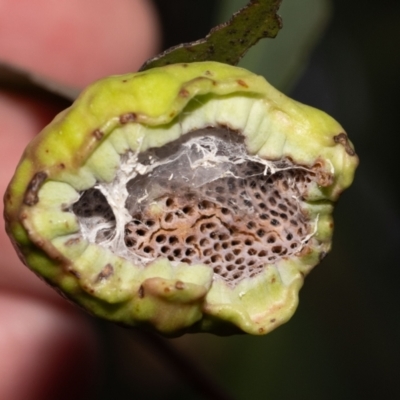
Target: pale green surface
<point x="167" y="103"/>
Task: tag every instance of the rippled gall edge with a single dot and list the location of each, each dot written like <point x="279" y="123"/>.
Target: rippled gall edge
<point x="135" y="112"/>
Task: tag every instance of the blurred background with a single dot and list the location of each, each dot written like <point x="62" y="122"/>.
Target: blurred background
<point x="343" y="342"/>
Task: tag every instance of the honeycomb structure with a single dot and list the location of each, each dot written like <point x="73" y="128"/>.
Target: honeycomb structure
<point x="237" y="224"/>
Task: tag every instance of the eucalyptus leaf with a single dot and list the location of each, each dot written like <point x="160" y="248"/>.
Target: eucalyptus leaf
<point x="228" y="42"/>
<point x="282" y="60"/>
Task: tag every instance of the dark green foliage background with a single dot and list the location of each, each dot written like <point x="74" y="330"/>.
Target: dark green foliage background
<point x="343" y="342"/>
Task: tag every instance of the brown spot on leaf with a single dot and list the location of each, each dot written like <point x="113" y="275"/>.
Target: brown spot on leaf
<point x="31" y="195"/>
<point x="107" y="271"/>
<point x="88" y="289"/>
<point x="98" y="134"/>
<point x="272" y="320"/>
<point x="141" y="292"/>
<point x="128" y="117"/>
<point x="183" y="93"/>
<point x="344" y="141"/>
<point x="73" y="241"/>
<point x="179" y="285"/>
<point x="242" y="83"/>
<point x="74" y="273"/>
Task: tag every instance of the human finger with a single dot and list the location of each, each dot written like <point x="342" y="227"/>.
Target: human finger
<point x="76" y="42"/>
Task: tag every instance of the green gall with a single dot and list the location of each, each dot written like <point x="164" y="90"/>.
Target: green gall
<point x="187" y="198"/>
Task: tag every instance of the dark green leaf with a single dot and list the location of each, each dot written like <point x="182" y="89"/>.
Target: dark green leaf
<point x="282" y="60"/>
<point x="227" y="42"/>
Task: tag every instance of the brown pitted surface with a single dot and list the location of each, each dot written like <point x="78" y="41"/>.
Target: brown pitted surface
<point x="31" y="195"/>
<point x="235" y="225"/>
<point x="202" y="200"/>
